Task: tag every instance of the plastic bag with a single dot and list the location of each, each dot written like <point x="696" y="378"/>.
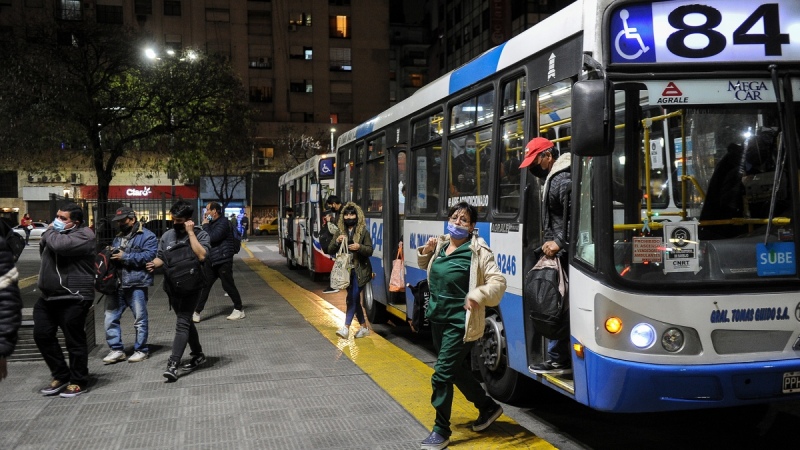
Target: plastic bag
<point x="397" y="283"/>
<point x="340" y="274"/>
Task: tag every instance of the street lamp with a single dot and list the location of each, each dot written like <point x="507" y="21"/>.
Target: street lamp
<point x="332" y="131"/>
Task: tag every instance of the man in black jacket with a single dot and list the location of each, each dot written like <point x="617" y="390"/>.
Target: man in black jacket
<point x="66" y="286"/>
<point x="544" y="161"/>
<point x="219" y="263"/>
<point x="10" y="301"/>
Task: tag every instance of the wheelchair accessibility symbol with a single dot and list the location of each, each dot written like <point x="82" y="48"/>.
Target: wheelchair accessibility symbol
<point x="630" y="33"/>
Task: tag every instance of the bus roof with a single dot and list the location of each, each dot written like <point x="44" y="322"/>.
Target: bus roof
<point x="309" y="165"/>
<point x="559" y="26"/>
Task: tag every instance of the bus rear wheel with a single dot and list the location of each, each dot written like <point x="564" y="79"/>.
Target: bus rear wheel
<point x="491" y="355"/>
<point x="375" y="310"/>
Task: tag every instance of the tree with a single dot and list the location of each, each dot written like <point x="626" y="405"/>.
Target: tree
<point x="86" y="93"/>
<point x="295" y="145"/>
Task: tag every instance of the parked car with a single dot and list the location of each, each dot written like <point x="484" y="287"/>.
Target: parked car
<point x="36" y="232"/>
<point x="268" y="227"/>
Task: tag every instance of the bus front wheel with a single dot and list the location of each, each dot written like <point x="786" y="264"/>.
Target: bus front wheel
<point x="490" y="354"/>
<point x="376" y="311"/>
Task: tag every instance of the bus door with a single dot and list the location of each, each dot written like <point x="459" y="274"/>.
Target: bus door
<point x="393" y="220"/>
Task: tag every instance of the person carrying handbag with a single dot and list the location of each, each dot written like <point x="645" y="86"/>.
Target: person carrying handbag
<point x="353" y="228"/>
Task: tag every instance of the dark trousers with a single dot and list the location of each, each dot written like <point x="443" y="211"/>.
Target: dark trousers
<point x="185" y="331"/>
<point x="452" y="368"/>
<point x="70" y="316"/>
<point x="353" y="302"/>
<point x="225" y="273"/>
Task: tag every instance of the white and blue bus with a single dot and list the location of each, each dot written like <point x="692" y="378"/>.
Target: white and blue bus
<point x="680" y="117"/>
<point x="303" y="191"/>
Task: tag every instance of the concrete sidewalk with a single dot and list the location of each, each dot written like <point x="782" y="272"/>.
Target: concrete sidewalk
<point x="272" y="381"/>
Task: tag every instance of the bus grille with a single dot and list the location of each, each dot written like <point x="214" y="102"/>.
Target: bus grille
<point x="727" y="342"/>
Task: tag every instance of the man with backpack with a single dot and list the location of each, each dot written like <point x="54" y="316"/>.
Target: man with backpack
<point x="181" y="251"/>
<point x="219" y="264"/>
<point x="133" y="247"/>
<point x="544" y="160"/>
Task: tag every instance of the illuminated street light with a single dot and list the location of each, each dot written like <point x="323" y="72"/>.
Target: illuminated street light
<point x="150" y="53"/>
<point x="332" y="131"/>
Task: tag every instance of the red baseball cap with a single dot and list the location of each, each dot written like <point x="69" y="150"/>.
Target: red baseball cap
<point x="535" y="146"/>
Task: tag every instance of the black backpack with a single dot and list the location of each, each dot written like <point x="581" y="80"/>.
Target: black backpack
<point x="15" y="242"/>
<point x="182" y="270"/>
<point x="106" y="278"/>
<point x="422" y="295"/>
<point x="545" y="290"/>
<point x="236" y="238"/>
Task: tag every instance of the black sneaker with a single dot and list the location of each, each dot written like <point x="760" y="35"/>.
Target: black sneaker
<point x="487" y="417"/>
<point x="54" y="387"/>
<point x="551" y="368"/>
<point x="195" y="362"/>
<point x="171" y="372"/>
<point x="330" y="290"/>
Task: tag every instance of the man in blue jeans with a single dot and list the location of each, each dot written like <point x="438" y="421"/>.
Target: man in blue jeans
<point x="134" y="246"/>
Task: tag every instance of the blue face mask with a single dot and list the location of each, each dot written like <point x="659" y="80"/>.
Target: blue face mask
<point x="58" y="225"/>
<point x="457" y="232"/>
<point x="471" y="152"/>
<point x="209" y="218"/>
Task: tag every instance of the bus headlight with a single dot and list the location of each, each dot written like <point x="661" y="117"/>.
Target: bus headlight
<point x="613" y="325"/>
<point x="643" y="335"/>
<point x="672" y="340"/>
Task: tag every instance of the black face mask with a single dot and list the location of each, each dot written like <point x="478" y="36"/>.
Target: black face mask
<point x="538" y="172"/>
<point x="124" y="228"/>
<point x="350" y="222"/>
<point x="179" y="227"/>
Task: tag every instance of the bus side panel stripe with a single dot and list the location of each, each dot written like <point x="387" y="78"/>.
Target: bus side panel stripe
<point x="476" y="70"/>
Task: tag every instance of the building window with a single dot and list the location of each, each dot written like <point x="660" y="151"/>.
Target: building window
<point x="334" y="118"/>
<point x="143" y="7"/>
<point x="218" y="15"/>
<point x="340" y="60"/>
<point x="9" y="184"/>
<point x="261" y="94"/>
<point x="172" y="7"/>
<point x="308" y="117"/>
<point x="339" y="2"/>
<point x="109" y="14"/>
<point x="300" y="19"/>
<point x="259" y="23"/>
<point x="306" y="86"/>
<point x="70" y="10"/>
<point x="296" y="52"/>
<point x="307" y="52"/>
<point x="260" y="62"/>
<point x="340" y="27"/>
<point x="173" y="42"/>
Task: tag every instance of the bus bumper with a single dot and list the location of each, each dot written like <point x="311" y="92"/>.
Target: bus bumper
<point x="624" y="386"/>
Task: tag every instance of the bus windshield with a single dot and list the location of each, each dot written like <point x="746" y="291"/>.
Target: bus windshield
<point x="697" y="205"/>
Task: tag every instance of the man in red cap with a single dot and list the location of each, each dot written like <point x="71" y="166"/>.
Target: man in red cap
<point x="543" y="160"/>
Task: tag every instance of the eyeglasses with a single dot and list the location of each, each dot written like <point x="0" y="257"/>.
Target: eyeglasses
<point x="460" y="219"/>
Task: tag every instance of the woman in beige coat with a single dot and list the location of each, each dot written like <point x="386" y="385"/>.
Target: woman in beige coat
<point x="464" y="279"/>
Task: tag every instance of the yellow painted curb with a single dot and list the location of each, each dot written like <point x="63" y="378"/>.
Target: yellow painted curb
<point x="403" y="377"/>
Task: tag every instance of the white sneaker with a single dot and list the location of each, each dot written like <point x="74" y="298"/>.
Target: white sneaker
<point x="137" y="356"/>
<point x="236" y="315"/>
<point x="363" y="331"/>
<point x="343" y="332"/>
<point x="196" y="317"/>
<point x="114" y="356"/>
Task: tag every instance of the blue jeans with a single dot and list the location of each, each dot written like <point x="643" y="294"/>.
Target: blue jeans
<point x="353" y="301"/>
<point x="136" y="299"/>
<point x="558" y="351"/>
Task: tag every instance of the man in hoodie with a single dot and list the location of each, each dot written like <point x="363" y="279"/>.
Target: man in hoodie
<point x="134" y="247"/>
<point x="66" y="286"/>
<point x="544" y="161"/>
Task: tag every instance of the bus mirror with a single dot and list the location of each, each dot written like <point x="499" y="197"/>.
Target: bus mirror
<point x="313" y="196"/>
<point x="592" y="120"/>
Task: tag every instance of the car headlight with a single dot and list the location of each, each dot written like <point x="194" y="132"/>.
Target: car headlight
<point x="643" y="335"/>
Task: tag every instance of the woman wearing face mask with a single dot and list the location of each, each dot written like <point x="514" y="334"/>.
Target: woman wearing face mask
<point x="353" y="227"/>
<point x="464" y="279"/>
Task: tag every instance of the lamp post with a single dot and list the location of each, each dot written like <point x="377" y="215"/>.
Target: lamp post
<point x="332" y="131"/>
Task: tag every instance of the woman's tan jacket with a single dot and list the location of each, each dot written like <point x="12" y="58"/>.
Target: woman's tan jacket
<point x="486" y="283"/>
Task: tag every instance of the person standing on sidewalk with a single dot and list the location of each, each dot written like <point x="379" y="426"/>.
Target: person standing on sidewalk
<point x="464" y="279"/>
<point x="183" y="231"/>
<point x="245" y="225"/>
<point x="134" y="247"/>
<point x="66" y="286"/>
<point x="10" y="302"/>
<point x="25" y="223"/>
<point x="334" y="205"/>
<point x="219" y="263"/>
<point x="353" y="231"/>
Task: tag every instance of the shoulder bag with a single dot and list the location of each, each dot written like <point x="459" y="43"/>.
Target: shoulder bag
<point x="340" y="274"/>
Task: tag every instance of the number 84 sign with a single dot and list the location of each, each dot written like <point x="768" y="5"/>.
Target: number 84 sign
<point x="704" y="31"/>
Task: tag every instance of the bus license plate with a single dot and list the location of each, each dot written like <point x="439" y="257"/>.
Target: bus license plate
<point x="791" y="382"/>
